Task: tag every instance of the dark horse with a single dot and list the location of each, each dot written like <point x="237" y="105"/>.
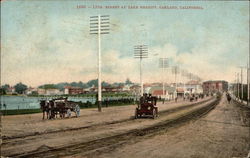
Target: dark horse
<point x="59" y="106"/>
<point x="45" y="108"/>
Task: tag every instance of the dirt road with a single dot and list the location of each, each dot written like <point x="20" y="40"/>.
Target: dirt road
<point x="111" y="122"/>
<point x="223" y="133"/>
<point x="23" y="125"/>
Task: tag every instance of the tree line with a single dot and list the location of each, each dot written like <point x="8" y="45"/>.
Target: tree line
<point x="20" y="88"/>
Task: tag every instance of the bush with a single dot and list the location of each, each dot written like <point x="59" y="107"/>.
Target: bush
<point x="20" y="111"/>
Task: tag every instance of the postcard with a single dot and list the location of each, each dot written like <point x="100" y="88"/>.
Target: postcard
<point x="127" y="79"/>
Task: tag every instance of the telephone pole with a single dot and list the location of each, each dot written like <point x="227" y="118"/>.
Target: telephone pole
<point x="99" y="25"/>
<point x="175" y="70"/>
<point x="238" y="86"/>
<point x="141" y="52"/>
<point x="183" y="74"/>
<point x="248" y="79"/>
<point x="241" y="69"/>
<point x="163" y="63"/>
<point x="248" y="83"/>
<point x="242" y="86"/>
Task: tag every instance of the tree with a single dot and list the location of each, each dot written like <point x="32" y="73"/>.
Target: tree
<point x="79" y="84"/>
<point x="105" y="84"/>
<point x="4" y="89"/>
<point x="48" y="86"/>
<point x="118" y="84"/>
<point x="128" y="81"/>
<point x="61" y="85"/>
<point x="20" y="88"/>
<point x="82" y="85"/>
<point x="92" y="82"/>
<point x="74" y="84"/>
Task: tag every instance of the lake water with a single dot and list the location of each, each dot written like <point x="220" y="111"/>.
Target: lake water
<point x="22" y="102"/>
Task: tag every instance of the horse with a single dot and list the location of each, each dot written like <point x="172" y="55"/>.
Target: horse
<point x="45" y="108"/>
<point x="61" y="106"/>
<point x="52" y="109"/>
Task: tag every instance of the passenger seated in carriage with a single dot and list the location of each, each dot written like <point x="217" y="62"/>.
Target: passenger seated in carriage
<point x="147" y="106"/>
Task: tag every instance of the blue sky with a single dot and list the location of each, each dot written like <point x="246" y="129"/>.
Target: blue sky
<point x="49" y="41"/>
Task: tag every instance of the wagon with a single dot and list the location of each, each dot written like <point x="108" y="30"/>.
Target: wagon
<point x="147" y="107"/>
<point x="59" y="106"/>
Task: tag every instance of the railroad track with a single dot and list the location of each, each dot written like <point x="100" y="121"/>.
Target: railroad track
<point x="106" y="144"/>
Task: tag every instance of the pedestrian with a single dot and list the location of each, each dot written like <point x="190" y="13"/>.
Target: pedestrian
<point x="106" y="103"/>
<point x="228" y="98"/>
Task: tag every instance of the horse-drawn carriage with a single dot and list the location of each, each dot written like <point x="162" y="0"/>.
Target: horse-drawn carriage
<point x="147" y="107"/>
<point x="59" y="106"/>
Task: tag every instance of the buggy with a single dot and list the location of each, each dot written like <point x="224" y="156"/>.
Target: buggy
<point x="59" y="106"/>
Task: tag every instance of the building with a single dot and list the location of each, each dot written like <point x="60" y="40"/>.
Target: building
<point x="41" y="91"/>
<point x="180" y="92"/>
<point x="215" y="86"/>
<point x="10" y="90"/>
<point x="113" y="89"/>
<point x="192" y="87"/>
<point x="49" y="91"/>
<point x="135" y="89"/>
<point x="158" y="92"/>
<point x="52" y="91"/>
<point x="31" y="90"/>
<point x="126" y="88"/>
<point x="73" y="90"/>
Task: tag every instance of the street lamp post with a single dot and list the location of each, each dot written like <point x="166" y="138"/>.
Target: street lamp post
<point x="140" y="52"/>
<point x="99" y="25"/>
<point x="163" y="63"/>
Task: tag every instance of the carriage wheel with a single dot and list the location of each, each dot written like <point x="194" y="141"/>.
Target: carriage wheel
<point x="136" y="114"/>
<point x="154" y="113"/>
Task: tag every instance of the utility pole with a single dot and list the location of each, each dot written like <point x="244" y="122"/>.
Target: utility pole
<point x="238" y="80"/>
<point x="190" y="76"/>
<point x="141" y="51"/>
<point x="183" y="74"/>
<point x="235" y="84"/>
<point x="163" y="63"/>
<point x="248" y="83"/>
<point x="99" y="25"/>
<point x="241" y="84"/>
<point x="175" y="70"/>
